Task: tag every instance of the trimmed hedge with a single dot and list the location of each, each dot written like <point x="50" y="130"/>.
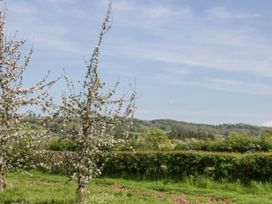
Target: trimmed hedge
<point x="180" y="164"/>
<point x="154" y="165"/>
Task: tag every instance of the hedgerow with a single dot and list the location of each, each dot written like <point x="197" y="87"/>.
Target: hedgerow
<point x="175" y="164"/>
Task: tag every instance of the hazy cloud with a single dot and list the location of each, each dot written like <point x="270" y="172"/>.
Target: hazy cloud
<point x="224" y="13"/>
<point x="267" y="124"/>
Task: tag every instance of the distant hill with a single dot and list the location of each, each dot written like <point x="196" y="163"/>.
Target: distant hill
<point x="181" y="128"/>
<point x="175" y="129"/>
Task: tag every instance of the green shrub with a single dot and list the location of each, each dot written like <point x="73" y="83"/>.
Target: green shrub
<point x="243" y="143"/>
<point x="153" y="140"/>
<point x="236" y="142"/>
<point x="266" y="140"/>
<point x="179" y="164"/>
<point x="61" y="145"/>
<point x="175" y="164"/>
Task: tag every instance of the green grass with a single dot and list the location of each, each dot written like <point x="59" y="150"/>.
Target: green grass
<point x="42" y="188"/>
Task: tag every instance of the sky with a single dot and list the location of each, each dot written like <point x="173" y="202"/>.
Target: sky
<point x="191" y="60"/>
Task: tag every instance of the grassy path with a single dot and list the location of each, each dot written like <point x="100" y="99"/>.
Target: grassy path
<point x="44" y="188"/>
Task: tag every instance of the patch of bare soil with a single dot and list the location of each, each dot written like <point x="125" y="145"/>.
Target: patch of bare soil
<point x="216" y="199"/>
<point x="213" y="199"/>
<point x="125" y="190"/>
<point x="220" y="199"/>
<point x="119" y="188"/>
<point x="181" y="200"/>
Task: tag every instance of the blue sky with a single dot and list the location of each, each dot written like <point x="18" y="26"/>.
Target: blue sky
<point x="193" y="60"/>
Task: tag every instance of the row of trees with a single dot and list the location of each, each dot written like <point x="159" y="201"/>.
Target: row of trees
<point x="179" y="127"/>
<point x="97" y="111"/>
<point x="235" y="142"/>
<point x="158" y="140"/>
<point x="183" y="135"/>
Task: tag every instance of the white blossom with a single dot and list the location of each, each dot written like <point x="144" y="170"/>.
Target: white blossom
<point x="15" y="132"/>
<point x="99" y="113"/>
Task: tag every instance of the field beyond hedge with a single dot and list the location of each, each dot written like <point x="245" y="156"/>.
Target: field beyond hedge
<point x="44" y="188"/>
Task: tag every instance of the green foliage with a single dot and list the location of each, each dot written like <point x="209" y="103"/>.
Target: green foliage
<point x="183" y="135"/>
<point x="175" y="129"/>
<point x="20" y="156"/>
<point x="62" y="145"/>
<point x="153" y="140"/>
<point x="213" y="146"/>
<point x="243" y="143"/>
<point x="266" y="140"/>
<point x="44" y="188"/>
<point x="236" y="142"/>
<point x="180" y="129"/>
<point x="158" y="140"/>
<point x="179" y="164"/>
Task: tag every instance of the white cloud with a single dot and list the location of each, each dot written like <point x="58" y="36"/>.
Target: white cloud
<point x="34" y="27"/>
<point x="121" y="6"/>
<point x="147" y="11"/>
<point x="193" y="42"/>
<point x="160" y="11"/>
<point x="187" y="41"/>
<point x="239" y="86"/>
<point x="117" y="5"/>
<point x="217" y="84"/>
<point x="183" y="37"/>
<point x="250" y="59"/>
<point x="224" y="13"/>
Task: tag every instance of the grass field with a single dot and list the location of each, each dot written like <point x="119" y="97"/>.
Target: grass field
<point x="47" y="188"/>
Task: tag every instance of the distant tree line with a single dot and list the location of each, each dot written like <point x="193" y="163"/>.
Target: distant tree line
<point x="183" y="135"/>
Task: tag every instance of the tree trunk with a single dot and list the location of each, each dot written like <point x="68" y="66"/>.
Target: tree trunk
<point x="82" y="192"/>
<point x="2" y="177"/>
